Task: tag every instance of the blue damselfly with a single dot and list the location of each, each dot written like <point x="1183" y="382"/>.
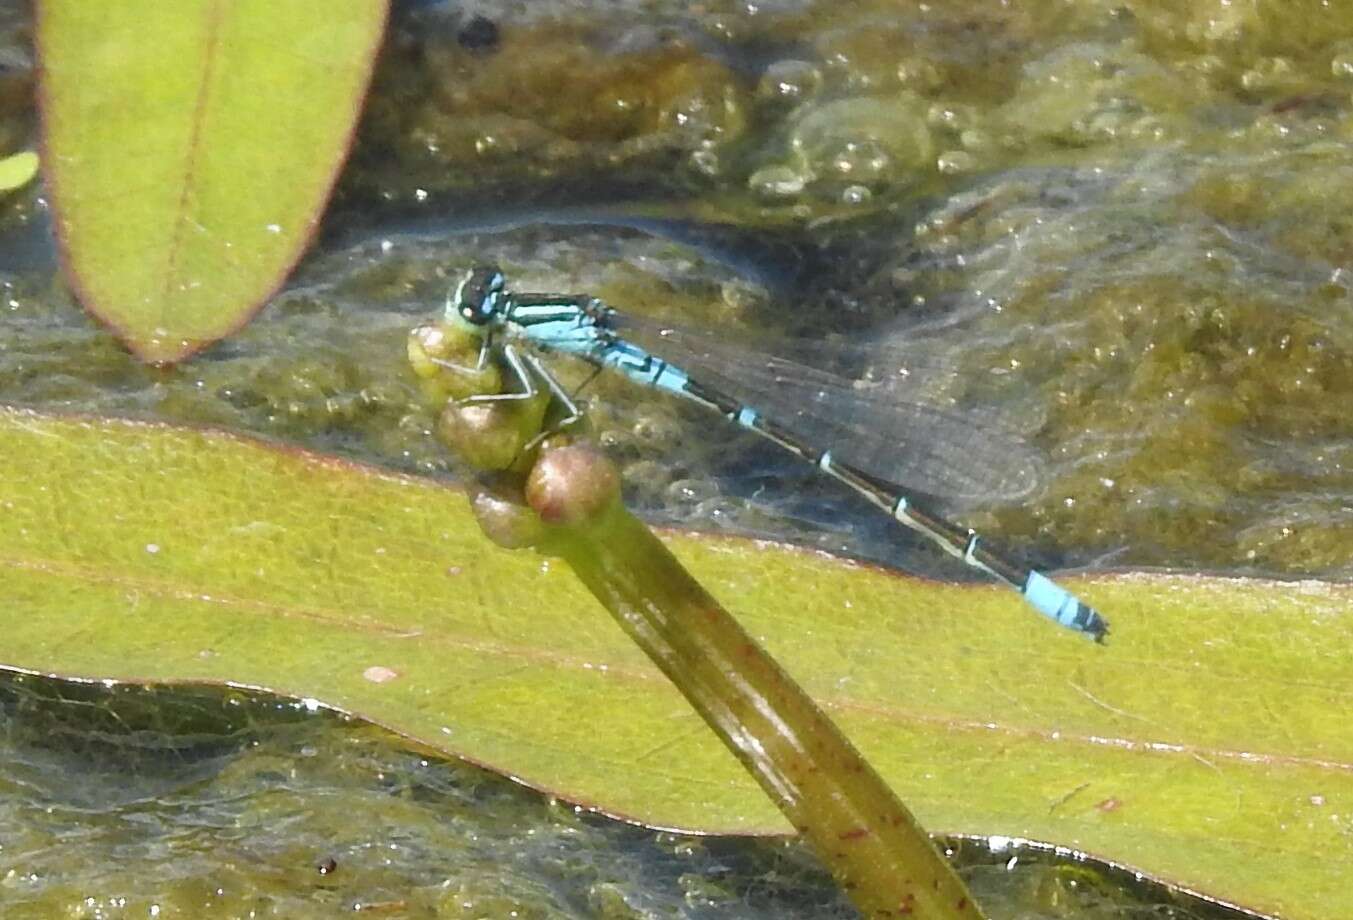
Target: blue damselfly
<point x="881" y="472"/>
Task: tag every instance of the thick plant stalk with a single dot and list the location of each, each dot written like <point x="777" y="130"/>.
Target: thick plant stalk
<point x="873" y="845"/>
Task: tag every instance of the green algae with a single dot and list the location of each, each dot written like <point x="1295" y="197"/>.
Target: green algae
<point x="998" y="84"/>
<point x="543" y="103"/>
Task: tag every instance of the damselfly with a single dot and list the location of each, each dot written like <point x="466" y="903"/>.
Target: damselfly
<point x="583" y="326"/>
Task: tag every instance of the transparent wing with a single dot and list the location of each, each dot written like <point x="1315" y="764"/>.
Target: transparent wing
<point x="896" y="421"/>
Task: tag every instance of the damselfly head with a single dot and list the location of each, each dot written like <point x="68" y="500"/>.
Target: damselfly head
<point x="478" y="298"/>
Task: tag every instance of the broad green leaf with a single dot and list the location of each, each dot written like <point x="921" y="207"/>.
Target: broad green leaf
<point x="190" y="148"/>
<point x="1208" y="744"/>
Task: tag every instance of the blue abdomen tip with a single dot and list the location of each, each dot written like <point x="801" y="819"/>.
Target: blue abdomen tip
<point x="1063" y="607"/>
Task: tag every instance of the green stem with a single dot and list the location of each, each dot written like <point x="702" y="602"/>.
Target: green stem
<point x="873" y="845"/>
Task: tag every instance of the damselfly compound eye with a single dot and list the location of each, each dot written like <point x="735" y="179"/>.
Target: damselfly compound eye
<point x="479" y="296"/>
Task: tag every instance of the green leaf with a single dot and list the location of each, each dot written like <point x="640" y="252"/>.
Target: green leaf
<point x="1207" y="744"/>
<point x="18" y="170"/>
<point x="190" y="148"/>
